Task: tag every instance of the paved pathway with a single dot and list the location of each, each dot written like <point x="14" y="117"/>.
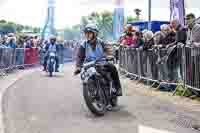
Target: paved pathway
<point x="39" y="104"/>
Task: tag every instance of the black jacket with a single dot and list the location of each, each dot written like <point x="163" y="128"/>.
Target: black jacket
<point x="181" y="35"/>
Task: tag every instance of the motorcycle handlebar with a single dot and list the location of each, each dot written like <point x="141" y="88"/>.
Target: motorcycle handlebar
<point x="109" y="58"/>
<point x="98" y="61"/>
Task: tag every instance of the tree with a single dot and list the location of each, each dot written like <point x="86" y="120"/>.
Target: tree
<point x="19" y="28"/>
<point x="6" y="28"/>
<point x="107" y="24"/>
<point x="26" y="27"/>
<point x="3" y="21"/>
<point x="72" y="33"/>
<point x="104" y="21"/>
<point x="138" y="13"/>
<point x="36" y="30"/>
<point x="84" y="21"/>
<point x="131" y="19"/>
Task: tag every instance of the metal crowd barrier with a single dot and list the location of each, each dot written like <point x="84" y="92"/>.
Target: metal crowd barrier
<point x="11" y="59"/>
<point x="192" y="68"/>
<point x="67" y="55"/>
<point x="181" y="65"/>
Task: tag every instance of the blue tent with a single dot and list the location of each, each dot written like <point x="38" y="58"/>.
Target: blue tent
<point x="155" y="25"/>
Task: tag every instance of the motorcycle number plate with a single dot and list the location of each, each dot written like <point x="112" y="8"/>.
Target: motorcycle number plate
<point x="52" y="54"/>
<point x="52" y="60"/>
<point x="91" y="70"/>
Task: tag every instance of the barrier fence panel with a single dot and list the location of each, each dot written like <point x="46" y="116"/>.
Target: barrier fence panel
<point x="170" y="65"/>
<point x="19" y="57"/>
<point x="31" y="56"/>
<point x="129" y="63"/>
<point x="61" y="55"/>
<point x="134" y="61"/>
<point x="192" y="67"/>
<point x="143" y="63"/>
<point x="1" y="58"/>
<point x="67" y="55"/>
<point x="162" y="65"/>
<point x="123" y="58"/>
<point x="7" y="55"/>
<point x="41" y="54"/>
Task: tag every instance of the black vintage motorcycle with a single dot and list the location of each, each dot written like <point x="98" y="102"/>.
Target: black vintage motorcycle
<point x="98" y="86"/>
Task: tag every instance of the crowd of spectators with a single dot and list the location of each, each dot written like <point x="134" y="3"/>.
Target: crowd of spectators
<point x="168" y="34"/>
<point x="169" y="37"/>
<point x="13" y="41"/>
<point x="27" y="41"/>
<point x="11" y="46"/>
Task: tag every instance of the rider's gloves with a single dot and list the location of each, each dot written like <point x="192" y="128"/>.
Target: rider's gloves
<point x="77" y="71"/>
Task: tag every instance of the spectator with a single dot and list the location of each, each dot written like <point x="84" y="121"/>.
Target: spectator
<point x="29" y="43"/>
<point x="193" y="39"/>
<point x="35" y="41"/>
<point x="181" y="33"/>
<point x="60" y="44"/>
<point x="193" y="31"/>
<point x="139" y="40"/>
<point x="121" y="38"/>
<point x="173" y="56"/>
<point x="129" y="38"/>
<point x="20" y="42"/>
<point x="11" y="42"/>
<point x="162" y="39"/>
<point x="60" y="51"/>
<point x="165" y="36"/>
<point x="148" y="40"/>
<point x="4" y="40"/>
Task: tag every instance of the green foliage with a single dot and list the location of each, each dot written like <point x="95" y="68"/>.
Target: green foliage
<point x="8" y="27"/>
<point x="3" y="21"/>
<point x="36" y="30"/>
<point x="104" y="21"/>
<point x="19" y="27"/>
<point x="131" y="19"/>
<point x="72" y="33"/>
<point x="180" y="90"/>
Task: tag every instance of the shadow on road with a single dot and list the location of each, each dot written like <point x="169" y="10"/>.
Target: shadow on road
<point x="117" y="114"/>
<point x="46" y="75"/>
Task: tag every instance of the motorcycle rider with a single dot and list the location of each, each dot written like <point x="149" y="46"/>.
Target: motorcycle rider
<point x="94" y="48"/>
<point x="51" y="47"/>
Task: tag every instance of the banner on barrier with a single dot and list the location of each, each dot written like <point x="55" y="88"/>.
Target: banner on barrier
<point x="31" y="56"/>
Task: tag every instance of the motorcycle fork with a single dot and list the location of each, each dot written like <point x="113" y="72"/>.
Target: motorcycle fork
<point x="106" y="96"/>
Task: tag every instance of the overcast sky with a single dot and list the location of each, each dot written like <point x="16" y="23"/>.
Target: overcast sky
<point x="68" y="12"/>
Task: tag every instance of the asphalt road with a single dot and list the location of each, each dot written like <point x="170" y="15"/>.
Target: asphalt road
<point x="39" y="104"/>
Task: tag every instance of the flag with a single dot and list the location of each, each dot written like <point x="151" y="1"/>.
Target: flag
<point x="118" y="22"/>
<point x="177" y="10"/>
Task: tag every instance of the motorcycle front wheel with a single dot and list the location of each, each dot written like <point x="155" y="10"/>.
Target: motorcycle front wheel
<point x="94" y="99"/>
<point x="50" y="69"/>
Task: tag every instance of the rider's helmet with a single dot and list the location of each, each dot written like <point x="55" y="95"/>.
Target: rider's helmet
<point x="52" y="39"/>
<point x="91" y="28"/>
